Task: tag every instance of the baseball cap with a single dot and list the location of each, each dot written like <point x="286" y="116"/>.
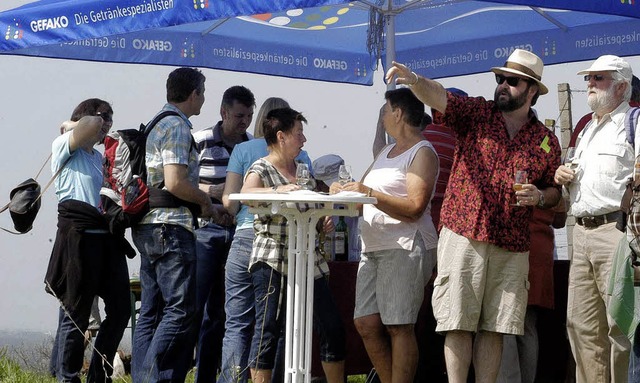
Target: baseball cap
<point x="610" y="63"/>
<point x="326" y="168"/>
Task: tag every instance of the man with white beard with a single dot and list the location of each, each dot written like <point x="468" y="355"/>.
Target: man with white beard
<point x="605" y="162"/>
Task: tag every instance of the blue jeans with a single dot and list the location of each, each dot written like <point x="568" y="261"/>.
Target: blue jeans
<point x="239" y="309"/>
<point x="326" y="321"/>
<point x="269" y="316"/>
<point x="212" y="247"/>
<point x="168" y="303"/>
<point x="104" y="274"/>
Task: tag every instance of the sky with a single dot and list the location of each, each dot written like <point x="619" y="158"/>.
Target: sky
<point x="38" y="94"/>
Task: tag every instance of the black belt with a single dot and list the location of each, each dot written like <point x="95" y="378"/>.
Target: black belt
<point x="591" y="222"/>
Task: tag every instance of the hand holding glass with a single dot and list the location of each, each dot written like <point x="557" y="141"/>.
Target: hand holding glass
<point x="345" y="174"/>
<point x="570" y="159"/>
<point x="302" y="175"/>
<point x="519" y="179"/>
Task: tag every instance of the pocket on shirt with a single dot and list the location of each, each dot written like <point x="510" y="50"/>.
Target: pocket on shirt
<point x="610" y="159"/>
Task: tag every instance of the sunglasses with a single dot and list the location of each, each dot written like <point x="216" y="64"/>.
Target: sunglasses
<point x="511" y="81"/>
<point x="106" y="117"/>
<point x="595" y="77"/>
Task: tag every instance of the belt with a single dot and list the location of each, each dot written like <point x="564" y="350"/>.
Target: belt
<point x="595" y="221"/>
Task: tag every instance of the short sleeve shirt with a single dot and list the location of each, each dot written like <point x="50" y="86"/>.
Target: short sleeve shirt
<point x="271" y="243"/>
<point x="81" y="178"/>
<point x="170" y="142"/>
<point x="478" y="198"/>
<point x="242" y="157"/>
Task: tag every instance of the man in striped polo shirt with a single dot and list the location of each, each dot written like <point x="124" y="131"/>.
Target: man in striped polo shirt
<point x="214" y="237"/>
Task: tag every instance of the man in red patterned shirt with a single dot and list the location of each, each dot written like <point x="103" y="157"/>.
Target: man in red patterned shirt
<point x="483" y="249"/>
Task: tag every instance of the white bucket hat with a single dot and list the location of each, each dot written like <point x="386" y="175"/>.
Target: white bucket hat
<point x="524" y="63"/>
<point x="610" y="63"/>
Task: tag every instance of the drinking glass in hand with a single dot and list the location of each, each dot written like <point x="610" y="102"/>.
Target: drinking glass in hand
<point x="345" y="174"/>
<point x="302" y="175"/>
<point x="570" y="159"/>
<point x="519" y="179"/>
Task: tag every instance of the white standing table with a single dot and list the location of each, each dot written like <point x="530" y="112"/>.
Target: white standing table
<point x="302" y="221"/>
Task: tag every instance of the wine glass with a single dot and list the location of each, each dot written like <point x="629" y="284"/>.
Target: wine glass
<point x="570" y="159"/>
<point x="345" y="174"/>
<point x="302" y="175"/>
<point x="519" y="179"/>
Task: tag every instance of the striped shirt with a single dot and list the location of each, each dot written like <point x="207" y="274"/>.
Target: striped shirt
<point x="271" y="243"/>
<point x="214" y="154"/>
<point x="444" y="142"/>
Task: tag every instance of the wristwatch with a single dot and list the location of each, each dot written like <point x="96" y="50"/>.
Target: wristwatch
<point x="541" y="200"/>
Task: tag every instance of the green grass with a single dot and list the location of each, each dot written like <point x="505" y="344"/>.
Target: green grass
<point x="12" y="372"/>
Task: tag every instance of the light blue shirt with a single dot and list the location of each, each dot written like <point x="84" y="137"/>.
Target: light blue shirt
<point x="81" y="178"/>
<point x="242" y="157"/>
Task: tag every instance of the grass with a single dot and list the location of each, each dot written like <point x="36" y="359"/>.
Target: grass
<point x="11" y="371"/>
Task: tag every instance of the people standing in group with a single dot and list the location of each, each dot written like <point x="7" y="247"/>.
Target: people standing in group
<point x="398" y="240"/>
<point x="605" y="161"/>
<point x="283" y="133"/>
<point x="484" y="241"/>
<point x="239" y="290"/>
<point x="166" y="238"/>
<point x="86" y="260"/>
<point x="214" y="236"/>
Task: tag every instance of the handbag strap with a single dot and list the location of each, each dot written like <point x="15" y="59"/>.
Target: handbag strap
<point x="5" y="207"/>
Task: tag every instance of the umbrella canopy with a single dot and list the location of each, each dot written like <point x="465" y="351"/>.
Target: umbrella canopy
<point x="322" y="39"/>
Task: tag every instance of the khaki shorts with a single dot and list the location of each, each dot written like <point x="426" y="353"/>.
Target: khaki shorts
<point x="391" y="283"/>
<point x="479" y="287"/>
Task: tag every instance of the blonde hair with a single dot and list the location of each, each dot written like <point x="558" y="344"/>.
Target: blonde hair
<point x="267" y="106"/>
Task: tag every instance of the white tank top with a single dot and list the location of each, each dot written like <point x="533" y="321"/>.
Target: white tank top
<point x="379" y="230"/>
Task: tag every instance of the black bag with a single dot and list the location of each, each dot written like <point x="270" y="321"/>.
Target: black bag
<point x="24" y="205"/>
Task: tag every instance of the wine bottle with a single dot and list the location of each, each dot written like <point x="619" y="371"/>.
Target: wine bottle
<point x="341" y="240"/>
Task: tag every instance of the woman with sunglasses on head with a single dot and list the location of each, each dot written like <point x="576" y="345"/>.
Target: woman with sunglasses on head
<point x="86" y="260"/>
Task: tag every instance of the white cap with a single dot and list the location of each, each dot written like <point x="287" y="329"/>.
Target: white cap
<point x="610" y="63"/>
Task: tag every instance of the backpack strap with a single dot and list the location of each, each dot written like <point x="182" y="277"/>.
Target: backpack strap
<point x="149" y="127"/>
<point x="630" y="123"/>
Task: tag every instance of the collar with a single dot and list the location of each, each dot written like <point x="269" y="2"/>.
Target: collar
<point x="169" y="106"/>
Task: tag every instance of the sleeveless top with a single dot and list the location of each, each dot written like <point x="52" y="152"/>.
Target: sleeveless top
<point x="379" y="230"/>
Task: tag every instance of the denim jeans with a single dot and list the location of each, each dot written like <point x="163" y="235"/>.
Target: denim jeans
<point x="212" y="247"/>
<point x="239" y="309"/>
<point x="326" y="321"/>
<point x="104" y="274"/>
<point x="269" y="316"/>
<point x="168" y="303"/>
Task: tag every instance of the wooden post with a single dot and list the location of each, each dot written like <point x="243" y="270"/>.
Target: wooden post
<point x="566" y="128"/>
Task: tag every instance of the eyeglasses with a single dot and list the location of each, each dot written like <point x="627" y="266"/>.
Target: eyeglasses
<point x="595" y="77"/>
<point x="511" y="81"/>
<point x="106" y="117"/>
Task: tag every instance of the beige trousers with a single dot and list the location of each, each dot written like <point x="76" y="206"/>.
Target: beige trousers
<point x="600" y="349"/>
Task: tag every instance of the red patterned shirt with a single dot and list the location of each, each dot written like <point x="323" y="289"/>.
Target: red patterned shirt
<point x="480" y="189"/>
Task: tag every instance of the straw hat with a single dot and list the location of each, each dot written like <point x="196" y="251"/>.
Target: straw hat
<point x="524" y="63"/>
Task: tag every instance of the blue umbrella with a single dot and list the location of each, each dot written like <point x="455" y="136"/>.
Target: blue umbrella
<point x="328" y="40"/>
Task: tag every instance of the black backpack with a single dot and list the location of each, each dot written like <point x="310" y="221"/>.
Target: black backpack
<point x="125" y="196"/>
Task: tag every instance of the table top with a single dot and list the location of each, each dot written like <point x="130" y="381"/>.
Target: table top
<point x="305" y="196"/>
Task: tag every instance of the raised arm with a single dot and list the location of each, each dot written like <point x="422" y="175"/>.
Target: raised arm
<point x="428" y="91"/>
